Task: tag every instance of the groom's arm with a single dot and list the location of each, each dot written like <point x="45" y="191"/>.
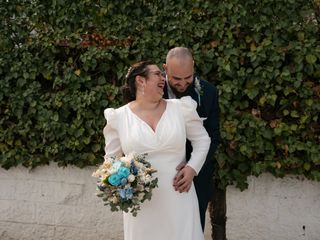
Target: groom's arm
<point x="211" y="124"/>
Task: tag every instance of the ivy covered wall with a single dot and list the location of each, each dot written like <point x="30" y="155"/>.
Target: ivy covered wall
<point x="62" y="63"/>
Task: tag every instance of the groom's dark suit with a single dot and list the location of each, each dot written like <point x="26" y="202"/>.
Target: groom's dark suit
<point x="208" y="108"/>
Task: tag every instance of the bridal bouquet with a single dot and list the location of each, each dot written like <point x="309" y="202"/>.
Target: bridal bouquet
<point x="125" y="182"/>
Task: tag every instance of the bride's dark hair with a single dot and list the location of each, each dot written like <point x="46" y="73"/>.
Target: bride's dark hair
<point x="129" y="88"/>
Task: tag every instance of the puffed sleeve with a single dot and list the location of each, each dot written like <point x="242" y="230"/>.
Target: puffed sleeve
<point x="196" y="133"/>
<point x="111" y="135"/>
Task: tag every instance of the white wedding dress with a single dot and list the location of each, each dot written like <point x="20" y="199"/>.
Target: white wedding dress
<point x="169" y="215"/>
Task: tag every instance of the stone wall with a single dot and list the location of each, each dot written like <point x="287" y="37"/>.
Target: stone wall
<point x="274" y="208"/>
<point x="52" y="203"/>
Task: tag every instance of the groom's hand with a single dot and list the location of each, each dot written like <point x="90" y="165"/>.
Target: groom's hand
<point x="183" y="180"/>
<point x="181" y="165"/>
<point x="175" y="180"/>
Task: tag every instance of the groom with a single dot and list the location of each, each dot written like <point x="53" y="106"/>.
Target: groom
<point x="181" y="81"/>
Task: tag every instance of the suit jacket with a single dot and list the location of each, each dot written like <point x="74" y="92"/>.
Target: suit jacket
<point x="208" y="108"/>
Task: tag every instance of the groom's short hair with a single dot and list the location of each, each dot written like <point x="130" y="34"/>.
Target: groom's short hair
<point x="180" y="53"/>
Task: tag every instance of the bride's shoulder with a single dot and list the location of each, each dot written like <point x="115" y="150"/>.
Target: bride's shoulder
<point x="185" y="106"/>
<point x="186" y="101"/>
<point x="112" y="114"/>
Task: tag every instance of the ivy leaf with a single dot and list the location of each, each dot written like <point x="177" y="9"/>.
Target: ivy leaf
<point x="311" y="59"/>
<point x="306" y="166"/>
<point x="77" y="72"/>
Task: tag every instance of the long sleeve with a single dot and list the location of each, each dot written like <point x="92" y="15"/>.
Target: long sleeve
<point x="196" y="134"/>
<point x="110" y="133"/>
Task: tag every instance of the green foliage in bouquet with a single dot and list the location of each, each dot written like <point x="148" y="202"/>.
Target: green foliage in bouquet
<point x="62" y="62"/>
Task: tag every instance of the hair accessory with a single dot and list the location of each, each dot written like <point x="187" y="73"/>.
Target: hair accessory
<point x="129" y="71"/>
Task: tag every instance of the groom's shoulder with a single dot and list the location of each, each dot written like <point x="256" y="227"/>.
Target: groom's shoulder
<point x="208" y="86"/>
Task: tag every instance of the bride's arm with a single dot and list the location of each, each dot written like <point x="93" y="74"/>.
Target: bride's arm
<point x="200" y="141"/>
<point x="112" y="142"/>
<point x="196" y="133"/>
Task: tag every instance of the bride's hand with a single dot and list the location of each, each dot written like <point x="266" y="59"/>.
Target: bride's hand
<point x="183" y="180"/>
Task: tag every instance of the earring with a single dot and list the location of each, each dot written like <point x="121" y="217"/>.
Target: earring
<point x="143" y="90"/>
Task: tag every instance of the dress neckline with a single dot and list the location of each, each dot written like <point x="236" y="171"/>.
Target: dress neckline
<point x="144" y="122"/>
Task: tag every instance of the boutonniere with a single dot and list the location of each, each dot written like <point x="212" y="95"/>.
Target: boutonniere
<point x="198" y="89"/>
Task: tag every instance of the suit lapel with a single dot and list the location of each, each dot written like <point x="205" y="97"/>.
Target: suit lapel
<point x="165" y="91"/>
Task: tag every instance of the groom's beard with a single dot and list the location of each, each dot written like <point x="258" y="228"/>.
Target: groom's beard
<point x="181" y="94"/>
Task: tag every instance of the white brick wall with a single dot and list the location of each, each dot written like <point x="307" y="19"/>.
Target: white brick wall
<point x="52" y="203"/>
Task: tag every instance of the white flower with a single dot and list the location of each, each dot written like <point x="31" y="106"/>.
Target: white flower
<point x="140" y="196"/>
<point x="198" y="89"/>
<point x="126" y="160"/>
<point x="147" y="178"/>
<point x="198" y="86"/>
<point x="131" y="178"/>
<point x="139" y="187"/>
<point x="114" y="200"/>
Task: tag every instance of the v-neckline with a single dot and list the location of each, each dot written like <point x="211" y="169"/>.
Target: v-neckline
<point x="144" y="122"/>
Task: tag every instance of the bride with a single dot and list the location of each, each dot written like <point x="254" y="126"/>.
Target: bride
<point x="149" y="124"/>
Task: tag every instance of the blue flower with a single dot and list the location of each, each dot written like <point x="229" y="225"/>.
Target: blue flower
<point x="122" y="193"/>
<point x="126" y="194"/>
<point x="114" y="179"/>
<point x="129" y="193"/>
<point x="123" y="172"/>
<point x="133" y="168"/>
<point x="117" y="165"/>
<point x="123" y="181"/>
